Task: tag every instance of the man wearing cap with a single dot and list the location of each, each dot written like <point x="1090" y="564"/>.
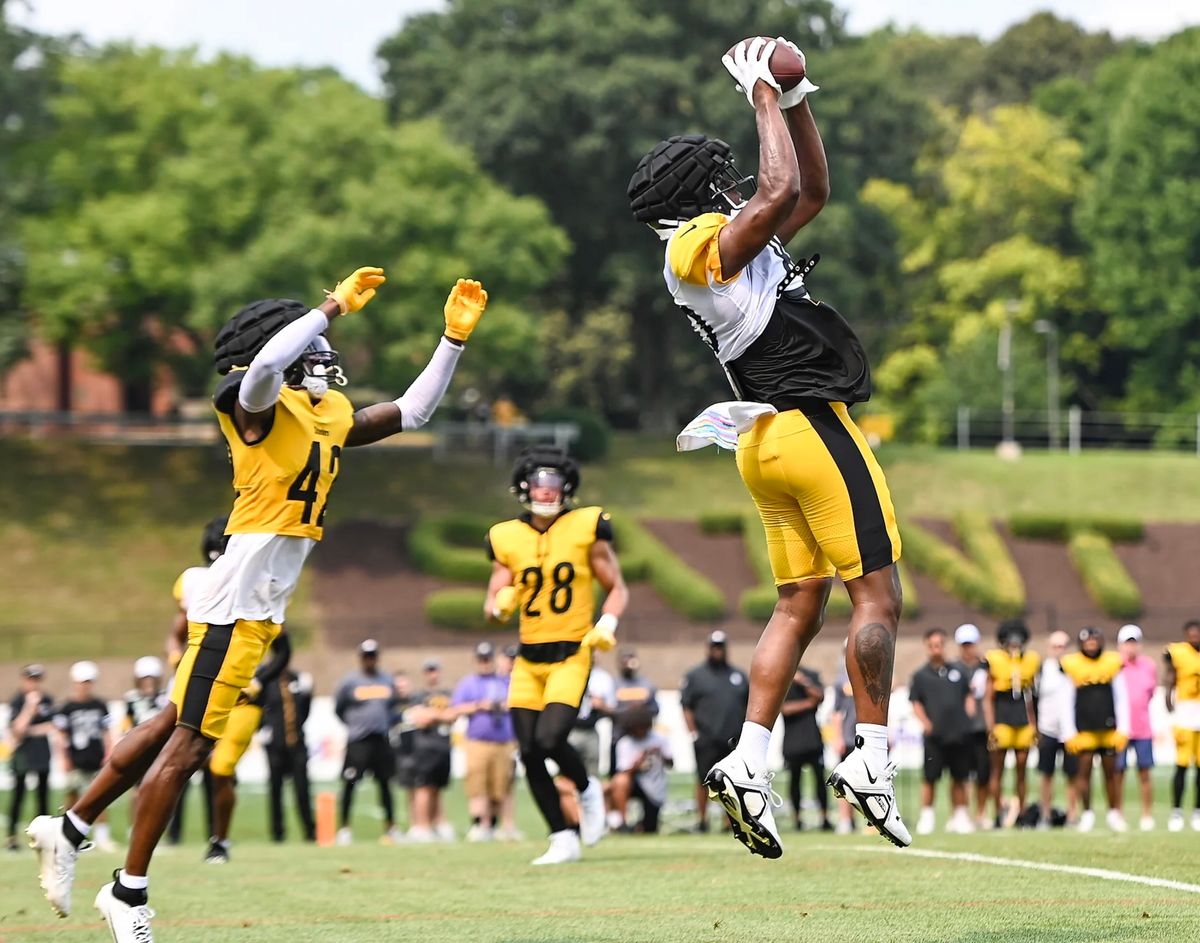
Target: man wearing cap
<point x="713" y="697"/>
<point x="31" y="719"/>
<point x="286" y="703"/>
<point x="1140" y="676"/>
<point x="432" y="716"/>
<point x="970" y="662"/>
<point x="84" y="728"/>
<point x="364" y="702"/>
<point x="1055" y="698"/>
<point x="482" y="697"/>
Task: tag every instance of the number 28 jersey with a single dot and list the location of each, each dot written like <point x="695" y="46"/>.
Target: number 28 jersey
<point x="283" y="480"/>
<point x="552" y="571"/>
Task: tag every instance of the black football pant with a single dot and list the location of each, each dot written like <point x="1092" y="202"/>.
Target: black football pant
<point x="1177" y="787"/>
<point x="542" y="735"/>
<point x="795" y="766"/>
<point x="175" y="829"/>
<point x="17" y="799"/>
<point x="293" y="762"/>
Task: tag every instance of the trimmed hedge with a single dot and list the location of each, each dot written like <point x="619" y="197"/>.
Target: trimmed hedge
<point x="723" y="522"/>
<point x="985" y="576"/>
<point x="451" y="546"/>
<point x="458" y="609"/>
<point x="1107" y="581"/>
<point x="1062" y="529"/>
<point x="684" y="589"/>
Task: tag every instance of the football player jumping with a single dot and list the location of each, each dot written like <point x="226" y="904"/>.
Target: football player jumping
<point x="544" y="563"/>
<point x="286" y="430"/>
<point x="795" y="364"/>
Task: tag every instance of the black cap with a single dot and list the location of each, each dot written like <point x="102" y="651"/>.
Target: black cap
<point x="33" y="671"/>
<point x="511" y="651"/>
<point x="484" y="650"/>
<point x="369" y="647"/>
<point x="431" y="664"/>
<point x="718" y="638"/>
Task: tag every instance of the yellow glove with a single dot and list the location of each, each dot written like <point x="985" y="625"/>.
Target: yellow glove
<point x="464" y="308"/>
<point x="602" y="636"/>
<point x="1076" y="743"/>
<point x="505" y="604"/>
<point x="354" y="292"/>
<point x="1120" y="741"/>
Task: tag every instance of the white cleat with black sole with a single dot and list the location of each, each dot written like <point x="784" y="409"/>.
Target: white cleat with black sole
<point x="128" y="923"/>
<point x="564" y="849"/>
<point x="871" y="792"/>
<point x="56" y="860"/>
<point x="747" y="798"/>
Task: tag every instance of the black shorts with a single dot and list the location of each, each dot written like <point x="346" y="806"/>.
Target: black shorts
<point x="940" y="756"/>
<point x="431" y="768"/>
<point x="708" y="754"/>
<point x="372" y="755"/>
<point x="1048" y="751"/>
<point x="981" y="759"/>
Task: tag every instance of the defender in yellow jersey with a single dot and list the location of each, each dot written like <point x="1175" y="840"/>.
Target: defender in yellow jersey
<point x="1097" y="723"/>
<point x="286" y="430"/>
<point x="1182" y="681"/>
<point x="1008" y="711"/>
<point x="544" y="564"/>
<point x="795" y="365"/>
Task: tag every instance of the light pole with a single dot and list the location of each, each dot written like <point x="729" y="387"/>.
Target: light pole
<point x="1008" y="447"/>
<point x="1052" y="404"/>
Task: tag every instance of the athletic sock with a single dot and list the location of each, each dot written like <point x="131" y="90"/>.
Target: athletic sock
<point x="1176" y="787"/>
<point x="131" y="889"/>
<point x="752" y="745"/>
<point x="75" y="829"/>
<point x="872" y="739"/>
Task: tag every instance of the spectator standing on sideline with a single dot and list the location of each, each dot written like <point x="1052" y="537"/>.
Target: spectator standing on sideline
<point x="1182" y="682"/>
<point x="940" y="693"/>
<point x="401" y="739"/>
<point x="802" y="743"/>
<point x="1055" y="697"/>
<point x="843" y="721"/>
<point x="286" y="703"/>
<point x="482" y="698"/>
<point x="632" y="690"/>
<point x="1140" y="675"/>
<point x="713" y="697"/>
<point x="365" y="702"/>
<point x="967" y="637"/>
<point x="84" y="728"/>
<point x="431" y="715"/>
<point x="643" y="758"/>
<point x="30" y="722"/>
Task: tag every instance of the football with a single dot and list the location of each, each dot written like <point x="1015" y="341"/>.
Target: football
<point x="786" y="65"/>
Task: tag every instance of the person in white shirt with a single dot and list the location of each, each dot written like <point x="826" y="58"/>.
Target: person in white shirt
<point x="643" y="758"/>
<point x="1055" y="700"/>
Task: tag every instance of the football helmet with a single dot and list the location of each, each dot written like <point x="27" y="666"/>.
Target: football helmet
<point x="545" y="466"/>
<point x="683" y="177"/>
<point x="215" y="540"/>
<point x="1088" y="634"/>
<point x="1013" y="632"/>
<point x="247" y="332"/>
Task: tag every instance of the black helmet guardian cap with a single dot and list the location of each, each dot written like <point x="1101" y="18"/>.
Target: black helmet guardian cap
<point x="247" y="332"/>
<point x="215" y="540"/>
<point x="683" y="177"/>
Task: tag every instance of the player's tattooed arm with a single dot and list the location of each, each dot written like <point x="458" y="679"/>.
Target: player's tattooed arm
<point x="814" y="171"/>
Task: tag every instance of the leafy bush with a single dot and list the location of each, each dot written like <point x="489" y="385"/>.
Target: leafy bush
<point x="985" y="576"/>
<point x="723" y="522"/>
<point x="1107" y="581"/>
<point x="685" y="590"/>
<point x="594" y="433"/>
<point x="451" y="547"/>
<point x="1062" y="528"/>
<point x="458" y="609"/>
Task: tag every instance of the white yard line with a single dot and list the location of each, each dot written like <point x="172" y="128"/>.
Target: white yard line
<point x="1102" y="873"/>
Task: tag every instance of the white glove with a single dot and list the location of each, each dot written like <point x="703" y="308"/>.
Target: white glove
<point x="749" y="63"/>
<point x="795" y="95"/>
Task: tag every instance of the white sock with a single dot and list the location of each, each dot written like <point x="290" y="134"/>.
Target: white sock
<point x="752" y="745"/>
<point x="79" y="823"/>
<point x="133" y="882"/>
<point x="874" y="743"/>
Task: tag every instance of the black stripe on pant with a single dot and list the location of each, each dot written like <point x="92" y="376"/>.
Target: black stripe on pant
<point x="870" y="529"/>
<point x="209" y="659"/>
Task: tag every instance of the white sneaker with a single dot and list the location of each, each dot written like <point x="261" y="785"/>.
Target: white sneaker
<point x="479" y="833"/>
<point x="56" y="860"/>
<point x="1175" y="821"/>
<point x="509" y="834"/>
<point x="1196" y="820"/>
<point x="127" y="924"/>
<point x="871" y="792"/>
<point x="344" y="836"/>
<point x="446" y="832"/>
<point x="747" y="799"/>
<point x="1087" y="820"/>
<point x="1115" y="821"/>
<point x="960" y="823"/>
<point x="844" y="827"/>
<point x="1147" y="823"/>
<point x="591" y="812"/>
<point x="421" y="836"/>
<point x="985" y="823"/>
<point x="926" y="821"/>
<point x="564" y="848"/>
<point x="393" y="836"/>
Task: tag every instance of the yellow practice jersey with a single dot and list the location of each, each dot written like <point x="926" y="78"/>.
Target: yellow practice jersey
<point x="283" y="481"/>
<point x="1186" y="662"/>
<point x="552" y="571"/>
<point x="1095" y="702"/>
<point x="1012" y="679"/>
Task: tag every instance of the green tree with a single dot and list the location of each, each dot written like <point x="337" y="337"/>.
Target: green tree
<point x="181" y="189"/>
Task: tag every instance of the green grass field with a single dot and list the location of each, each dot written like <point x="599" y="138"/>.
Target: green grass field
<point x="634" y="889"/>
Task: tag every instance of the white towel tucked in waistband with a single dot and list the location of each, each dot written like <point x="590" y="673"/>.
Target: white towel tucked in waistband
<point x="720" y="425"/>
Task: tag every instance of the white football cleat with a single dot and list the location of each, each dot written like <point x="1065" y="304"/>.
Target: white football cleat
<point x="927" y="822"/>
<point x="56" y="860"/>
<point x="1175" y="821"/>
<point x="960" y="822"/>
<point x="479" y="833"/>
<point x="445" y="832"/>
<point x="872" y="793"/>
<point x="1147" y="823"/>
<point x="344" y="836"/>
<point x="128" y="924"/>
<point x="1196" y="820"/>
<point x="1115" y="821"/>
<point x="564" y="848"/>
<point x="747" y="798"/>
<point x="591" y="812"/>
<point x="1087" y="820"/>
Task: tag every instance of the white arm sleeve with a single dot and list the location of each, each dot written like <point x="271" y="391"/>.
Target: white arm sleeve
<point x="422" y="398"/>
<point x="1121" y="703"/>
<point x="264" y="378"/>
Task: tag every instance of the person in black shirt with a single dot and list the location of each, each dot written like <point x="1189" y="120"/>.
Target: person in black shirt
<point x="31" y="717"/>
<point x="713" y="697"/>
<point x="940" y="693"/>
<point x="432" y="716"/>
<point x="286" y="703"/>
<point x="85" y="737"/>
<point x="802" y="742"/>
